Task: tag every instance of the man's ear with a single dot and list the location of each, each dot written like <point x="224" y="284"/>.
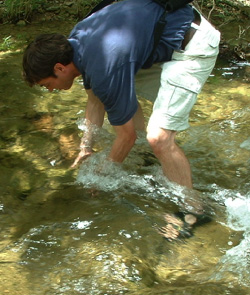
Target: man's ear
<point x="59" y="68"/>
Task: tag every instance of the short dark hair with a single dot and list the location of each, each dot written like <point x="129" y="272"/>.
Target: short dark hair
<point x="42" y="54"/>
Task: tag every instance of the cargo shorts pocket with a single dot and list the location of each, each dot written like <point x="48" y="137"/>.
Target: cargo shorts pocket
<point x="185" y="81"/>
<point x="179" y="95"/>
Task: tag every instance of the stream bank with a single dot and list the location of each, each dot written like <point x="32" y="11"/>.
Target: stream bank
<point x="232" y="18"/>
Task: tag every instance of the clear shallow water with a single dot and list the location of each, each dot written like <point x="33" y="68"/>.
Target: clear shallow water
<point x="67" y="231"/>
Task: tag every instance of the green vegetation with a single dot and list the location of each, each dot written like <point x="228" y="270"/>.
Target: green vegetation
<point x="6" y="43"/>
<point x="13" y="42"/>
<point x="83" y="6"/>
<point x="15" y="10"/>
<point x="20" y="9"/>
<point x="22" y="12"/>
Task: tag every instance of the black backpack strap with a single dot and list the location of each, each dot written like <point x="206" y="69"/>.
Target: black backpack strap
<point x="169" y="6"/>
<point x="172" y="5"/>
<point x="158" y="30"/>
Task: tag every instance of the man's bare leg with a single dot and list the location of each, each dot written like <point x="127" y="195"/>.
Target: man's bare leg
<point x="174" y="163"/>
<point x="176" y="168"/>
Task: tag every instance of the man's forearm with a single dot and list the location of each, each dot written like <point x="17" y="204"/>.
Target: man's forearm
<point x="94" y="118"/>
<point x="89" y="130"/>
<point x="94" y="115"/>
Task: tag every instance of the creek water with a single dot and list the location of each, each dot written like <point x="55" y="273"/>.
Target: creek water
<point x="92" y="230"/>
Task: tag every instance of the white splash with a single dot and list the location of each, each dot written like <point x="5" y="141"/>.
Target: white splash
<point x="238" y="213"/>
<point x="236" y="261"/>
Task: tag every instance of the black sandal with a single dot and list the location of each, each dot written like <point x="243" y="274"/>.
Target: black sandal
<point x="178" y="228"/>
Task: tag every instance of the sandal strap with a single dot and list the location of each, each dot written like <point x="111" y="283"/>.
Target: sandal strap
<point x="201" y="218"/>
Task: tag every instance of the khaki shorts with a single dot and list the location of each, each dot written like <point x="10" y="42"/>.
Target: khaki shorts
<point x="183" y="77"/>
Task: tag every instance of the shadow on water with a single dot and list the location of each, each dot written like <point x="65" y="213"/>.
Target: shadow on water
<point x="72" y="232"/>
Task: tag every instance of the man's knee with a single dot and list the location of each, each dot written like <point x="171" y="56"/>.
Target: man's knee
<point x="161" y="140"/>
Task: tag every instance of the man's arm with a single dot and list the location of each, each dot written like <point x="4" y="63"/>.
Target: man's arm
<point x="94" y="109"/>
<point x="94" y="115"/>
<point x="125" y="134"/>
<point x="125" y="139"/>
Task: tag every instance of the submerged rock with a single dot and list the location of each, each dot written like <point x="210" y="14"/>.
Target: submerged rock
<point x="246" y="144"/>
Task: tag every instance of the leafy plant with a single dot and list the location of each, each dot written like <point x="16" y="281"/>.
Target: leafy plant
<point x="20" y="9"/>
<point x="83" y="6"/>
<point x="7" y="43"/>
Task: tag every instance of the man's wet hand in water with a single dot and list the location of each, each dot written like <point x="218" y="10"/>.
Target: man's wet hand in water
<point x="84" y="153"/>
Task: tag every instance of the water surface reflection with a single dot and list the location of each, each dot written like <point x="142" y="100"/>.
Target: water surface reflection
<point x="66" y="231"/>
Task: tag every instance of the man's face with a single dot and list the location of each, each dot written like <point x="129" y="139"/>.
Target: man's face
<point x="63" y="79"/>
<point x="56" y="83"/>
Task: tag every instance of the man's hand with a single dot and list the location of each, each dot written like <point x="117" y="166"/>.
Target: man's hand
<point x="84" y="153"/>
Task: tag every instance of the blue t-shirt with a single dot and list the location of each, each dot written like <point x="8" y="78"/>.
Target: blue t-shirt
<point x="111" y="45"/>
